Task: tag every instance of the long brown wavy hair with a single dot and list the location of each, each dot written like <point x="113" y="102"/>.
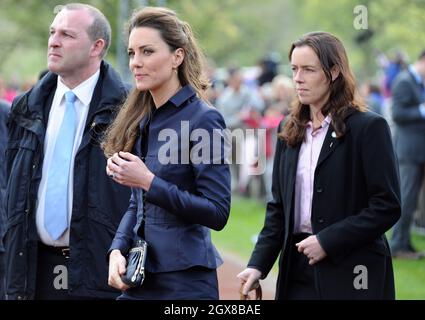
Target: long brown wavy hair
<point x="343" y="97"/>
<point x="122" y="133"/>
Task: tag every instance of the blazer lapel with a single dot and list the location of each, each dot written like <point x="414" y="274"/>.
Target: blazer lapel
<point x="329" y="145"/>
<point x="418" y="88"/>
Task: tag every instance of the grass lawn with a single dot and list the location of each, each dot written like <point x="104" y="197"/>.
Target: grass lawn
<point x="410" y="275"/>
<point x="247" y="218"/>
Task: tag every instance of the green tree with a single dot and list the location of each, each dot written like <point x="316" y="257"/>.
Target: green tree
<point x="395" y="24"/>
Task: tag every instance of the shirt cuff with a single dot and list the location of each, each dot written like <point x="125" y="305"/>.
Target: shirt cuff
<point x="116" y="246"/>
<point x="422" y="110"/>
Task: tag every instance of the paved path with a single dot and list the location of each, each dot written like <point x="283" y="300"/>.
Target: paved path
<point x="229" y="284"/>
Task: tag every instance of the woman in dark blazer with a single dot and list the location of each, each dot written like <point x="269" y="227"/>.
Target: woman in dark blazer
<point x="4" y="115"/>
<point x="163" y="144"/>
<point x="335" y="187"/>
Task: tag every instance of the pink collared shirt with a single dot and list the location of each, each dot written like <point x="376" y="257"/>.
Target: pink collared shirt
<point x="304" y="181"/>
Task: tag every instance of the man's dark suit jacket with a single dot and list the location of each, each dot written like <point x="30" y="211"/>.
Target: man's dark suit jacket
<point x="4" y="114"/>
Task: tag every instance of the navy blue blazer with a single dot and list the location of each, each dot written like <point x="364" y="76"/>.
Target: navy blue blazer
<point x="185" y="199"/>
<point x="409" y="136"/>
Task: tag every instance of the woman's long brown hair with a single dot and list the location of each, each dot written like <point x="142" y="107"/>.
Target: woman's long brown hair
<point x="343" y="97"/>
<point x="122" y="133"/>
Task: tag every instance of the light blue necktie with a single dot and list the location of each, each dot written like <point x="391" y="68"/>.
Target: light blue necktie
<point x="56" y="202"/>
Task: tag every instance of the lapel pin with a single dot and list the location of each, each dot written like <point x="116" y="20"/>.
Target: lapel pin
<point x="333" y="134"/>
<point x="330" y="146"/>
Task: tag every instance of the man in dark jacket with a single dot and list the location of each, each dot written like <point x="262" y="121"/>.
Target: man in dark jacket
<point x="4" y="113"/>
<point x="334" y="196"/>
<point x="62" y="210"/>
<point x="408" y="111"/>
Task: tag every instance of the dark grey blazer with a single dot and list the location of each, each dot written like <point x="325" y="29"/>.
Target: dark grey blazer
<point x="409" y="136"/>
<point x="185" y="201"/>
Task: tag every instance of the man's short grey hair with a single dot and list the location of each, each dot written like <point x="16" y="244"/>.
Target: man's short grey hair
<point x="99" y="29"/>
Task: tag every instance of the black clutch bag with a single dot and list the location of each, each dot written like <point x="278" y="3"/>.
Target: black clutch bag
<point x="136" y="259"/>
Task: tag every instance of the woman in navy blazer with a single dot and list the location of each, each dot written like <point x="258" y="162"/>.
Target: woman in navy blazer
<point x="335" y="187"/>
<point x="167" y="144"/>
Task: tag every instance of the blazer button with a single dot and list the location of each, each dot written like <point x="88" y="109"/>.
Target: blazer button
<point x="319" y="189"/>
<point x="320" y="220"/>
